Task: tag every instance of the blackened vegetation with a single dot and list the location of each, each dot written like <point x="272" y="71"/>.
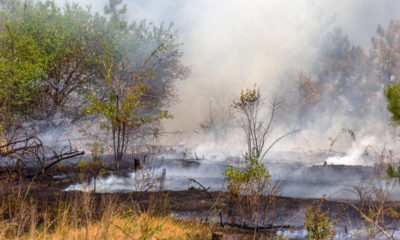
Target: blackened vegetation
<point x="29" y="158"/>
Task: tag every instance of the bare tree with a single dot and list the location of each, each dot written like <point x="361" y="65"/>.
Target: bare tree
<point x="257" y="128"/>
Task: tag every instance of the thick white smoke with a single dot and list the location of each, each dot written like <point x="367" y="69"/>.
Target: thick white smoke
<point x="354" y="156"/>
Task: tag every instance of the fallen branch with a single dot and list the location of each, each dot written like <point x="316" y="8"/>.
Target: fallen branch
<point x="262" y="228"/>
<point x="25" y="148"/>
<point x="56" y="159"/>
<point x="201" y="185"/>
<point x="380" y="228"/>
<point x="16" y="142"/>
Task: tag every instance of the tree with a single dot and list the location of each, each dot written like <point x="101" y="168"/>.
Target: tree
<point x="148" y="53"/>
<point x="7" y="8"/>
<point x="65" y="59"/>
<point x="385" y="52"/>
<point x="121" y="109"/>
<point x="153" y="55"/>
<point x="250" y="186"/>
<point x="392" y="93"/>
<point x="115" y="13"/>
<point x="20" y="72"/>
<point x="307" y="93"/>
<point x="65" y="40"/>
<point x="72" y="46"/>
<point x="339" y="79"/>
<point x="340" y="65"/>
<point x="343" y="75"/>
<point x="256" y="128"/>
<point x="140" y="64"/>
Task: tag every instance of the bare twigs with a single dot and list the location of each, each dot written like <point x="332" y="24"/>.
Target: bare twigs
<point x="344" y="131"/>
<point x="257" y="128"/>
<point x="30" y="153"/>
<point x="373" y="208"/>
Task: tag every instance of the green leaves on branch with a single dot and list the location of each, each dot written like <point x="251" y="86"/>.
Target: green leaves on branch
<point x="241" y="180"/>
<point x="52" y="56"/>
<point x="248" y="97"/>
<point x="254" y="171"/>
<point x="392" y="93"/>
<point x="46" y="54"/>
<point x="124" y="109"/>
<point x="20" y="72"/>
<point x="318" y="224"/>
<point x="393" y="172"/>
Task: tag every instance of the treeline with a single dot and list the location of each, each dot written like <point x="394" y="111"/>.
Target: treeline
<point x="66" y="63"/>
<point x="345" y="80"/>
<point x="62" y="59"/>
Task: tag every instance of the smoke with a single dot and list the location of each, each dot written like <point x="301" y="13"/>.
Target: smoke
<point x="354" y="155"/>
<point x="233" y="44"/>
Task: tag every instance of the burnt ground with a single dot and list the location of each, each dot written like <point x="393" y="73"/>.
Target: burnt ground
<point x="199" y="204"/>
<point x="194" y="203"/>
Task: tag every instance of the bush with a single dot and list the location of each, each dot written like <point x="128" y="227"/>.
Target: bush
<point x="318" y="225"/>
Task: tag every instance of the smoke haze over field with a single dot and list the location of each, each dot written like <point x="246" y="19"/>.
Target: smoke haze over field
<point x="232" y="44"/>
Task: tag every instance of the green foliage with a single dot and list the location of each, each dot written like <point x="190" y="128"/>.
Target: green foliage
<point x="248" y="98"/>
<point x="121" y="111"/>
<point x="393" y="172"/>
<point x="318" y="224"/>
<point x="20" y="71"/>
<point x="51" y="57"/>
<point x="47" y="53"/>
<point x="241" y="180"/>
<point x="254" y="170"/>
<point x="392" y="93"/>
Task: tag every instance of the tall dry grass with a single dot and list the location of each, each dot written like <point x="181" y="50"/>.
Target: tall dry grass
<point x="89" y="216"/>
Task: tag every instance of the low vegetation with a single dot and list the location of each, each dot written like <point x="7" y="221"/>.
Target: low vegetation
<point x="318" y="224"/>
<point x="86" y="216"/>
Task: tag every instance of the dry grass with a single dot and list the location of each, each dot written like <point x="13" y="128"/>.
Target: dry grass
<point x="143" y="226"/>
<point x="85" y="217"/>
